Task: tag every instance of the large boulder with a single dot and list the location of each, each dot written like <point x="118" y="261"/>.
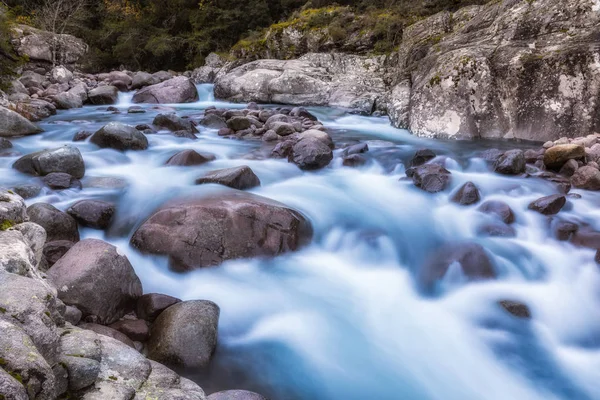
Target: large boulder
<point x="311" y="153"/>
<point x="237" y="178"/>
<point x="556" y="156"/>
<point x="97" y="279"/>
<point x="65" y="159"/>
<point x="67" y="100"/>
<point x="47" y="47"/>
<point x="185" y="335"/>
<point x="58" y="225"/>
<point x="13" y="124"/>
<point x="103" y="95"/>
<point x="234" y="225"/>
<point x="119" y="136"/>
<point x="176" y="90"/>
<point x="36" y="109"/>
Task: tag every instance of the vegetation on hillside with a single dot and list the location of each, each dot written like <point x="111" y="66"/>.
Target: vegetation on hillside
<point x="8" y="59"/>
<point x="178" y="34"/>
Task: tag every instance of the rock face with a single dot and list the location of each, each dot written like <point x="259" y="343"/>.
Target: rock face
<point x="95" y="278"/>
<point x="241" y="178"/>
<point x="119" y="136"/>
<point x="232" y="226"/>
<point x="185" y="334"/>
<point x="38" y="46"/>
<point x="13" y="124"/>
<point x="176" y="90"/>
<point x="64" y="159"/>
<point x="347" y="81"/>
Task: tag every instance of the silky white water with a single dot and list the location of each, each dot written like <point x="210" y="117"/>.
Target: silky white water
<point x="342" y="318"/>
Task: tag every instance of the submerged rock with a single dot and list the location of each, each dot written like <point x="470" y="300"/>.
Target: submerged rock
<point x="515" y="308"/>
<point x="498" y="208"/>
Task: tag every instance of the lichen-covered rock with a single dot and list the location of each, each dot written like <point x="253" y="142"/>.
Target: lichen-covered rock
<point x="11" y="388"/>
<point x="39" y="46"/>
<point x="12" y="209"/>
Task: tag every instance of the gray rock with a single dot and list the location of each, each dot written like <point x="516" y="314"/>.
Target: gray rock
<point x="35" y="236"/>
<point x="175" y="90"/>
<point x="236" y="395"/>
<point x="12" y="209"/>
<point x="134" y="329"/>
<point x="241" y="178"/>
<point x="67" y="101"/>
<point x="11" y="388"/>
<point x="149" y="306"/>
<point x="58" y="225"/>
<point x="83" y="281"/>
<point x="421" y="157"/>
<point x="54" y="250"/>
<point x="192" y="347"/>
<point x="174" y="123"/>
<point x="511" y="162"/>
<point x="213" y="121"/>
<point x="467" y="194"/>
<point x="36" y="109"/>
<point x="498" y="209"/>
<point x="72" y="315"/>
<point x="108" y="331"/>
<point x="83" y="372"/>
<point x="13" y="124"/>
<point x="142" y="79"/>
<point x="239" y="123"/>
<point x="60" y="74"/>
<point x="92" y="213"/>
<point x="16" y="256"/>
<point x="65" y="159"/>
<point x="103" y="95"/>
<point x="431" y="178"/>
<point x="187" y="158"/>
<point x="27" y="191"/>
<point x="165" y="384"/>
<point x="61" y="181"/>
<point x="120" y="137"/>
<point x="549" y="205"/>
<point x="310" y="153"/>
<point x="586" y="177"/>
<point x="515" y="308"/>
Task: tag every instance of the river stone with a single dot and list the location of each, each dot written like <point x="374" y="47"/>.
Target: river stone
<point x="569" y="168"/>
<point x="516" y="308"/>
<point x="27" y="191"/>
<point x="185" y="335"/>
<point x="82" y="136"/>
<point x="61" y="181"/>
<point x="511" y="162"/>
<point x="354" y="160"/>
<point x="564" y="230"/>
<point x="12" y="209"/>
<point x="164" y="384"/>
<point x="468" y="194"/>
<point x="234" y="225"/>
<point x="174" y="123"/>
<point x="471" y="257"/>
<point x="92" y="213"/>
<point x="104" y="95"/>
<point x="556" y="156"/>
<point x="142" y="79"/>
<point x="175" y="90"/>
<point x="65" y="159"/>
<point x="108" y="331"/>
<point x="315" y="134"/>
<point x="58" y="225"/>
<point x="82" y="371"/>
<point x="282" y="128"/>
<point x="431" y="178"/>
<point x="498" y="208"/>
<point x="149" y="306"/>
<point x="236" y="395"/>
<point x="53" y="251"/>
<point x="359" y="148"/>
<point x="213" y="121"/>
<point x="241" y="178"/>
<point x="311" y="154"/>
<point x="239" y="123"/>
<point x="188" y="158"/>
<point x="421" y="157"/>
<point x="67" y="100"/>
<point x="61" y="74"/>
<point x="94" y="277"/>
<point x="134" y="329"/>
<point x="549" y="205"/>
<point x="120" y="137"/>
<point x="587" y="178"/>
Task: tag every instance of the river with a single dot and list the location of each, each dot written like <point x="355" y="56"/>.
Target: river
<point x="342" y="318"/>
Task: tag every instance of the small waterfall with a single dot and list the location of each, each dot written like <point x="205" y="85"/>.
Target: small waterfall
<point x="205" y="92"/>
<point x="125" y="99"/>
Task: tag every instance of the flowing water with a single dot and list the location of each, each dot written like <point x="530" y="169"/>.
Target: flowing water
<point x="342" y="319"/>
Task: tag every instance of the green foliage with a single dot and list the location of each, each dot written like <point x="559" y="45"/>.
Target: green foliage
<point x="9" y="61"/>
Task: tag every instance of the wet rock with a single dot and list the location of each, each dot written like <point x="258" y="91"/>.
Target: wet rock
<point x="120" y="137"/>
<point x="569" y="168"/>
<point x="556" y="156"/>
<point x="174" y="123"/>
<point x="564" y="230"/>
<point x="191" y="347"/>
<point x="104" y="95"/>
<point x="108" y="331"/>
<point x="472" y="258"/>
<point x="531" y="156"/>
<point x="150" y="305"/>
<point x="61" y="181"/>
<point x="270" y="136"/>
<point x="232" y="226"/>
<point x="431" y="178"/>
<point x="468" y="194"/>
<point x="81" y="136"/>
<point x="356" y="149"/>
<point x="241" y="178"/>
<point x="175" y="90"/>
<point x="515" y="308"/>
<point x="498" y="229"/>
<point x="94" y="277"/>
<point x="239" y="123"/>
<point x="60" y="74"/>
<point x="597" y="257"/>
<point x="586" y="237"/>
<point x="354" y="160"/>
<point x="491" y="155"/>
<point x="188" y="158"/>
<point x="301" y="112"/>
<point x="236" y="395"/>
<point x="136" y="110"/>
<point x="65" y="159"/>
<point x="12" y="209"/>
<point x="549" y="205"/>
<point x="27" y="191"/>
<point x="213" y="121"/>
<point x="310" y="154"/>
<point x="511" y="162"/>
<point x="136" y="329"/>
<point x="58" y="225"/>
<point x="53" y="251"/>
<point x="316" y="135"/>
<point x="498" y="208"/>
<point x="225" y="132"/>
<point x="92" y="213"/>
<point x="184" y="134"/>
<point x="421" y="157"/>
<point x="67" y="101"/>
<point x="5" y="144"/>
<point x="587" y="178"/>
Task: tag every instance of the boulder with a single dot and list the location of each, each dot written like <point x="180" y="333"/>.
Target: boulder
<point x="241" y="178"/>
<point x="92" y="213"/>
<point x="82" y="136"/>
<point x="556" y="156"/>
<point x="36" y="109"/>
<point x="239" y="123"/>
<point x="431" y="178"/>
<point x="103" y="95"/>
<point x="175" y="90"/>
<point x="12" y="209"/>
<point x="67" y="100"/>
<point x="311" y="153"/>
<point x="499" y="209"/>
<point x="188" y="158"/>
<point x="119" y="136"/>
<point x="587" y="178"/>
<point x="142" y="79"/>
<point x="58" y="225"/>
<point x="232" y="226"/>
<point x="174" y="123"/>
<point x="549" y="205"/>
<point x="13" y="124"/>
<point x="53" y="251"/>
<point x="421" y="157"/>
<point x="11" y="387"/>
<point x="354" y="160"/>
<point x="213" y="121"/>
<point x="47" y="47"/>
<point x="472" y="259"/>
<point x="94" y="277"/>
<point x="569" y="168"/>
<point x="16" y="255"/>
<point x="467" y="195"/>
<point x="236" y="395"/>
<point x="149" y="306"/>
<point x="511" y="162"/>
<point x="134" y="329"/>
<point x="163" y="383"/>
<point x="185" y="335"/>
<point x="61" y="181"/>
<point x="27" y="191"/>
<point x="60" y="74"/>
<point x="108" y="331"/>
<point x="65" y="159"/>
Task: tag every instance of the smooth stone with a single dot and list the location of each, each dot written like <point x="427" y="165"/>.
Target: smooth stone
<point x="240" y="178"/>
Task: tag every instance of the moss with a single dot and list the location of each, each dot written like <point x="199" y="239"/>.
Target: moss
<point x="17" y="376"/>
<point x="114" y="378"/>
<point x="2" y="310"/>
<point x="6" y="224"/>
<point x="436" y="80"/>
<point x="2" y="362"/>
<point x="47" y="314"/>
